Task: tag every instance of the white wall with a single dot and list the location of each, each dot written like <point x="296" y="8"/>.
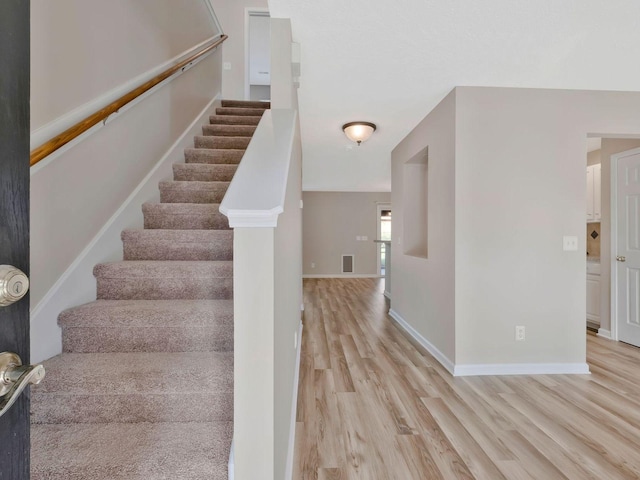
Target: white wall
<point x="519" y="188"/>
<point x="423" y="288"/>
<point x="232" y="19"/>
<point x="74" y="194"/>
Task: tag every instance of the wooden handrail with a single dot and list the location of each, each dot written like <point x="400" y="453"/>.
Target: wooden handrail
<point x="82" y="126"/>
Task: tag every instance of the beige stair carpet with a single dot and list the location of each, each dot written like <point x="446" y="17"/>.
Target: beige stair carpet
<point x="144" y="388"/>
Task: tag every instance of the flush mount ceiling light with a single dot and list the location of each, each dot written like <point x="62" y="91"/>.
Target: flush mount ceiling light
<point x="358" y="131"/>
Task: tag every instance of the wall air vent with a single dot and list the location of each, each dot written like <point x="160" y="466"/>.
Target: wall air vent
<point x="348" y="264"/>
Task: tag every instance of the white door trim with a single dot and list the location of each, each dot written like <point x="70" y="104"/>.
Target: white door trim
<point x="248" y="11"/>
<point x="614" y="237"/>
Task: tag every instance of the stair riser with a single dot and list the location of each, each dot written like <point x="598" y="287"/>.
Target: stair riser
<point x="186" y="407"/>
<point x="143" y="250"/>
<point x="208" y="156"/>
<point x="245" y="104"/>
<point x="185" y="195"/>
<point x="233" y="120"/>
<point x="228" y="130"/>
<point x="218" y="338"/>
<point x="207" y="288"/>
<point x="141" y="451"/>
<point x="252" y="112"/>
<point x="183" y="172"/>
<point x="235" y="143"/>
<point x="186" y="222"/>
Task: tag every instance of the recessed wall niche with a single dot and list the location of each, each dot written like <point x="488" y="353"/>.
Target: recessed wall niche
<point x="415" y="204"/>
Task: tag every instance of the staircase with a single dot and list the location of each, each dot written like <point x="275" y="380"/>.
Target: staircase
<point x="144" y="388"/>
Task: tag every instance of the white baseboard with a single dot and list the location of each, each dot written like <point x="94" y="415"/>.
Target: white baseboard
<point x="294" y="410"/>
<point x="490" y="369"/>
<point x="431" y="348"/>
<point x="344" y="275"/>
<point x="604" y="333"/>
<point x="77" y="284"/>
<point x="521" y="369"/>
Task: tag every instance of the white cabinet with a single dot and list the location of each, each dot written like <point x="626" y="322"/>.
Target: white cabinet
<point x="593" y="298"/>
<point x="594" y="193"/>
<point x="593" y="292"/>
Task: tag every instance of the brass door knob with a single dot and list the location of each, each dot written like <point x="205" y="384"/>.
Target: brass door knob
<point x="14" y="285"/>
<point x="621" y="258"/>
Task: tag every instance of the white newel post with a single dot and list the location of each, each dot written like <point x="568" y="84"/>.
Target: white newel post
<point x="253" y="284"/>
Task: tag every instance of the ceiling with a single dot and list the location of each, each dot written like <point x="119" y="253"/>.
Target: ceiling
<point x="391" y="62"/>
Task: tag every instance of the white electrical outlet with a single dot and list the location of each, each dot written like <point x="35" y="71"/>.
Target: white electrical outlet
<point x="570" y="243"/>
<point x="520" y="333"/>
<point x="313" y="265"/>
<point x="226" y="66"/>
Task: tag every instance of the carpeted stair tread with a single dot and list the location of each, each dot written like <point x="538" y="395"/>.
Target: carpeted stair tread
<point x="105" y="326"/>
<point x="148" y="313"/>
<point x="234" y="120"/>
<point x="144" y="390"/>
<point x="161" y="280"/>
<point x="184" y="216"/>
<point x="140" y="451"/>
<point x="246" y="104"/>
<point x="202" y="172"/>
<point x="192" y="192"/>
<point x="217" y="142"/>
<point x="159" y="244"/>
<point x="135" y="387"/>
<point x="239" y="111"/>
<point x="213" y="155"/>
<point x="228" y="130"/>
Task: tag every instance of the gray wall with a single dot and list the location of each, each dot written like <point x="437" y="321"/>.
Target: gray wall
<point x="232" y="17"/>
<point x="331" y="222"/>
<point x="423" y="289"/>
<point x="73" y="196"/>
<point x="288" y="258"/>
<point x="518" y="188"/>
<point x="593" y="158"/>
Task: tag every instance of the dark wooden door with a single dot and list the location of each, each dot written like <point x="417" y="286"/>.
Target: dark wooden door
<point x="14" y="218"/>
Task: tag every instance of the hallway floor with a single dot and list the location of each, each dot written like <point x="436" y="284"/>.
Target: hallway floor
<point x="372" y="405"/>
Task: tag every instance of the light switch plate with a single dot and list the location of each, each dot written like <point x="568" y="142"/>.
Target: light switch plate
<point x="570" y="243"/>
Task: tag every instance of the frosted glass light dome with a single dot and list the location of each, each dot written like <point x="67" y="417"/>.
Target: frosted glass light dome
<point x="358" y="131"/>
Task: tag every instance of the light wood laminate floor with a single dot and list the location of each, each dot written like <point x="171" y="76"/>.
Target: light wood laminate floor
<point x="373" y="405"/>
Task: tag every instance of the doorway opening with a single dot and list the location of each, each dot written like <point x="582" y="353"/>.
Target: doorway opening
<point x="257" y="54"/>
<point x="384" y="233"/>
<point x="613" y="251"/>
